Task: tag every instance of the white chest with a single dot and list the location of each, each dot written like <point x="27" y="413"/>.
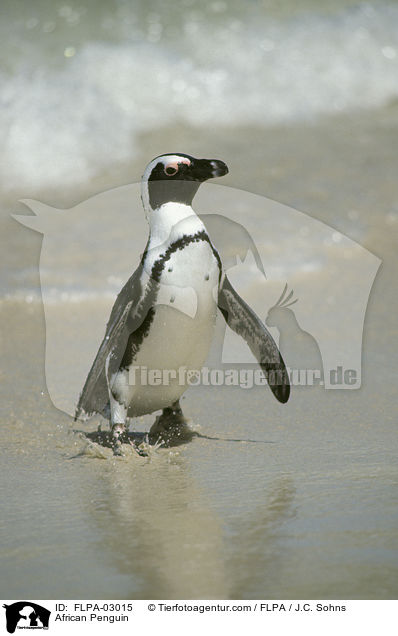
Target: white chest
<point x="185" y="309"/>
<point x="181" y="331"/>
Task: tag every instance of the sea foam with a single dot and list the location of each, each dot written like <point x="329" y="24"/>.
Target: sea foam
<point x="63" y="121"/>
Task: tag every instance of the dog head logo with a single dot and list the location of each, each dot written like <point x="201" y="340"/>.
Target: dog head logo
<point x="26" y="615"/>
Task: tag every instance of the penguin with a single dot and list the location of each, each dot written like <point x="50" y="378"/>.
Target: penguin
<point x="164" y="316"/>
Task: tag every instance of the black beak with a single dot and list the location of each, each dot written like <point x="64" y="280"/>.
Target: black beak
<point x="219" y="168"/>
<point x="203" y="169"/>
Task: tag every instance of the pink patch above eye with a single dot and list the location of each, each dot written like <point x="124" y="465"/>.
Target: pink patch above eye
<point x="172" y="167"/>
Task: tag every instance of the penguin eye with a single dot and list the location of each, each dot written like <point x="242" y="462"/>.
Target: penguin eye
<point x="170" y="170"/>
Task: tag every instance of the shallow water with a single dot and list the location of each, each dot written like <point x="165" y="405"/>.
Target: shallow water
<point x="294" y="501"/>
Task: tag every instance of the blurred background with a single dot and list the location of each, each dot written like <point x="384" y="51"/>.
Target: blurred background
<point x="84" y="84"/>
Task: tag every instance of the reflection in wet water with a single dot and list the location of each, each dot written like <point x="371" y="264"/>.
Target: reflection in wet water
<point x="169" y="541"/>
<point x="254" y="542"/>
<point x="158" y="527"/>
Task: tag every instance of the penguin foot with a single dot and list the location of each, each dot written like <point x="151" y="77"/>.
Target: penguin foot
<point x="118" y="432"/>
<point x="171" y="428"/>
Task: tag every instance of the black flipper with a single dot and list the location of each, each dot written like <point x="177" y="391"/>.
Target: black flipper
<point x="126" y="316"/>
<point x="241" y="319"/>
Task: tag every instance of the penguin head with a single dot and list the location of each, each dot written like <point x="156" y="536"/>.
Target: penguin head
<point x="176" y="177"/>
